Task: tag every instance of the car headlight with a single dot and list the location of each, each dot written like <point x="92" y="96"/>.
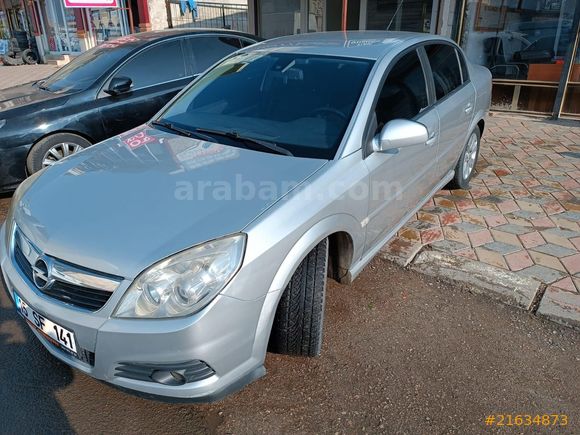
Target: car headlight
<point x="185" y="282"/>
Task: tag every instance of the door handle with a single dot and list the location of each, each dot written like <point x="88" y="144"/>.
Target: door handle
<point x="431" y="141"/>
<point x="468" y="109"/>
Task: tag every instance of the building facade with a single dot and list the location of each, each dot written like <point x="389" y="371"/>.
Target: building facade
<point x="530" y="46"/>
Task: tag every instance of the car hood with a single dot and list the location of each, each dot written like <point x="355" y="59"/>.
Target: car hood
<point x="20" y="96"/>
<point x="128" y="202"/>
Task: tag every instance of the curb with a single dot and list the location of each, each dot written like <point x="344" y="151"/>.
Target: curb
<point x="505" y="286"/>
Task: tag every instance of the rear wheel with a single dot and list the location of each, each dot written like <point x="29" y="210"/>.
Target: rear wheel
<point x="297" y="328"/>
<point x="466" y="165"/>
<point x="51" y="149"/>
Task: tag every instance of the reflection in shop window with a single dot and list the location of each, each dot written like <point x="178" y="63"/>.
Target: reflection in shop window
<point x="519" y="39"/>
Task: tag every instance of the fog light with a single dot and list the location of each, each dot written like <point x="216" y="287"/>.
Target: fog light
<point x="165" y="377"/>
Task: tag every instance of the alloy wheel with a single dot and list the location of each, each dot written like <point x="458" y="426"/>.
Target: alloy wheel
<point x="470" y="156"/>
<point x="59" y="152"/>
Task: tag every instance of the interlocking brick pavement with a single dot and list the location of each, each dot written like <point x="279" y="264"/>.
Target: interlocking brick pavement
<point x="18" y="75"/>
<point x="521" y="213"/>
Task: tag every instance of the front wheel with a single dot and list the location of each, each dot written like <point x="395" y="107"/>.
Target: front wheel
<point x="466" y="165"/>
<point x="297" y="328"/>
<point x="51" y="149"/>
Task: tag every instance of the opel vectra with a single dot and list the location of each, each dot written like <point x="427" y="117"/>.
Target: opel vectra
<point x="170" y="259"/>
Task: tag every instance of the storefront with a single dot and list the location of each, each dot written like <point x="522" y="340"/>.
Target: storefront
<point x="68" y="27"/>
<point x="530" y="46"/>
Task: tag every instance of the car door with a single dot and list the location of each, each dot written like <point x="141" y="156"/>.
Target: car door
<point x="455" y="102"/>
<point x="158" y="72"/>
<point x="400" y="181"/>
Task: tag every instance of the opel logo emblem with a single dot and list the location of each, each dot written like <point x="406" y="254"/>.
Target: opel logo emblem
<point x="41" y="274"/>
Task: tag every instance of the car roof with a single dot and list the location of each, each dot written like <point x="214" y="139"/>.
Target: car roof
<point x="136" y="40"/>
<point x="360" y="44"/>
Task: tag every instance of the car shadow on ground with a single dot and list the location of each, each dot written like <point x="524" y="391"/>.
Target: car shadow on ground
<point x="30" y="378"/>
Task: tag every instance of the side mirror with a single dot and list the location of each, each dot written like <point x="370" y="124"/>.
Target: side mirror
<point x="400" y="133"/>
<point x="119" y="85"/>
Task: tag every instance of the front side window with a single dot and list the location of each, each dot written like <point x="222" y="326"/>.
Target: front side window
<point x="404" y="93"/>
<point x="300" y="102"/>
<point x="446" y="73"/>
<point x="158" y="64"/>
<point x="85" y="69"/>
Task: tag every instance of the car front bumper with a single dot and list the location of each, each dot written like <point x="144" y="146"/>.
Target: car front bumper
<point x="222" y="335"/>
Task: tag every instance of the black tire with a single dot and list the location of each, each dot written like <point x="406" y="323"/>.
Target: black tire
<point x="297" y="328"/>
<point x="461" y="178"/>
<point x="39" y="149"/>
<point x="29" y="57"/>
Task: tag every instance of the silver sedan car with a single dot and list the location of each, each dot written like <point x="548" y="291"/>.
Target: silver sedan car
<point x="169" y="260"/>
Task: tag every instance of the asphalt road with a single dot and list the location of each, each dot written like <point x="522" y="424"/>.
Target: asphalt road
<point x="402" y="353"/>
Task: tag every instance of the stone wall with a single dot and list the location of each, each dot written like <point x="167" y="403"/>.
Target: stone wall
<point x="157" y="14"/>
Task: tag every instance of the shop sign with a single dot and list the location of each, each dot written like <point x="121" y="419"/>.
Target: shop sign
<point x="91" y="3"/>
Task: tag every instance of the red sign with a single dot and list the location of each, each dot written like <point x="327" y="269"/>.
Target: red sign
<point x="91" y="3"/>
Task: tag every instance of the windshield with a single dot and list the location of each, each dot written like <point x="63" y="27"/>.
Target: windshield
<point x="302" y="103"/>
<point x="83" y="70"/>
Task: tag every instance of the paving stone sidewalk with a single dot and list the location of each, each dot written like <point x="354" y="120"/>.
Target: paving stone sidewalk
<point x="18" y="75"/>
<point x="521" y="215"/>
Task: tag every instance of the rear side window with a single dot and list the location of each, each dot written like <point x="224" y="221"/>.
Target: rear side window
<point x="404" y="93"/>
<point x="155" y="65"/>
<point x="207" y="50"/>
<point x="446" y="72"/>
<point x="247" y="42"/>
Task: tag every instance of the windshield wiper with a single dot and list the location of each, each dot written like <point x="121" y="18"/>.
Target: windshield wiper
<point x="181" y="131"/>
<point x="270" y="146"/>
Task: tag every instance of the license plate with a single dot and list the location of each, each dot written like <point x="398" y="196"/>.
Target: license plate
<point x="55" y="333"/>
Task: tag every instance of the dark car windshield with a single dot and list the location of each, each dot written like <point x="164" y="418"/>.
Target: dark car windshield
<point x="302" y="103"/>
<point x="82" y="71"/>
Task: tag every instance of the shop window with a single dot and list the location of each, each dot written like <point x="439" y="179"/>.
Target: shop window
<point x="446" y="72"/>
<point x="158" y="64"/>
<point x="519" y="40"/>
<point x="404" y="93"/>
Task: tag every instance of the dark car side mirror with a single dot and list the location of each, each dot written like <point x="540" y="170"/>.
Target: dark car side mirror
<point x="119" y="85"/>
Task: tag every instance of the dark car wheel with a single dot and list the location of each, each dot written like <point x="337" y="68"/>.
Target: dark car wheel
<point x="466" y="165"/>
<point x="51" y="149"/>
<point x="297" y="328"/>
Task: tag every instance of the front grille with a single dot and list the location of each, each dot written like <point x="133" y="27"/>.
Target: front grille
<point x="82" y="297"/>
<point x="192" y="371"/>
